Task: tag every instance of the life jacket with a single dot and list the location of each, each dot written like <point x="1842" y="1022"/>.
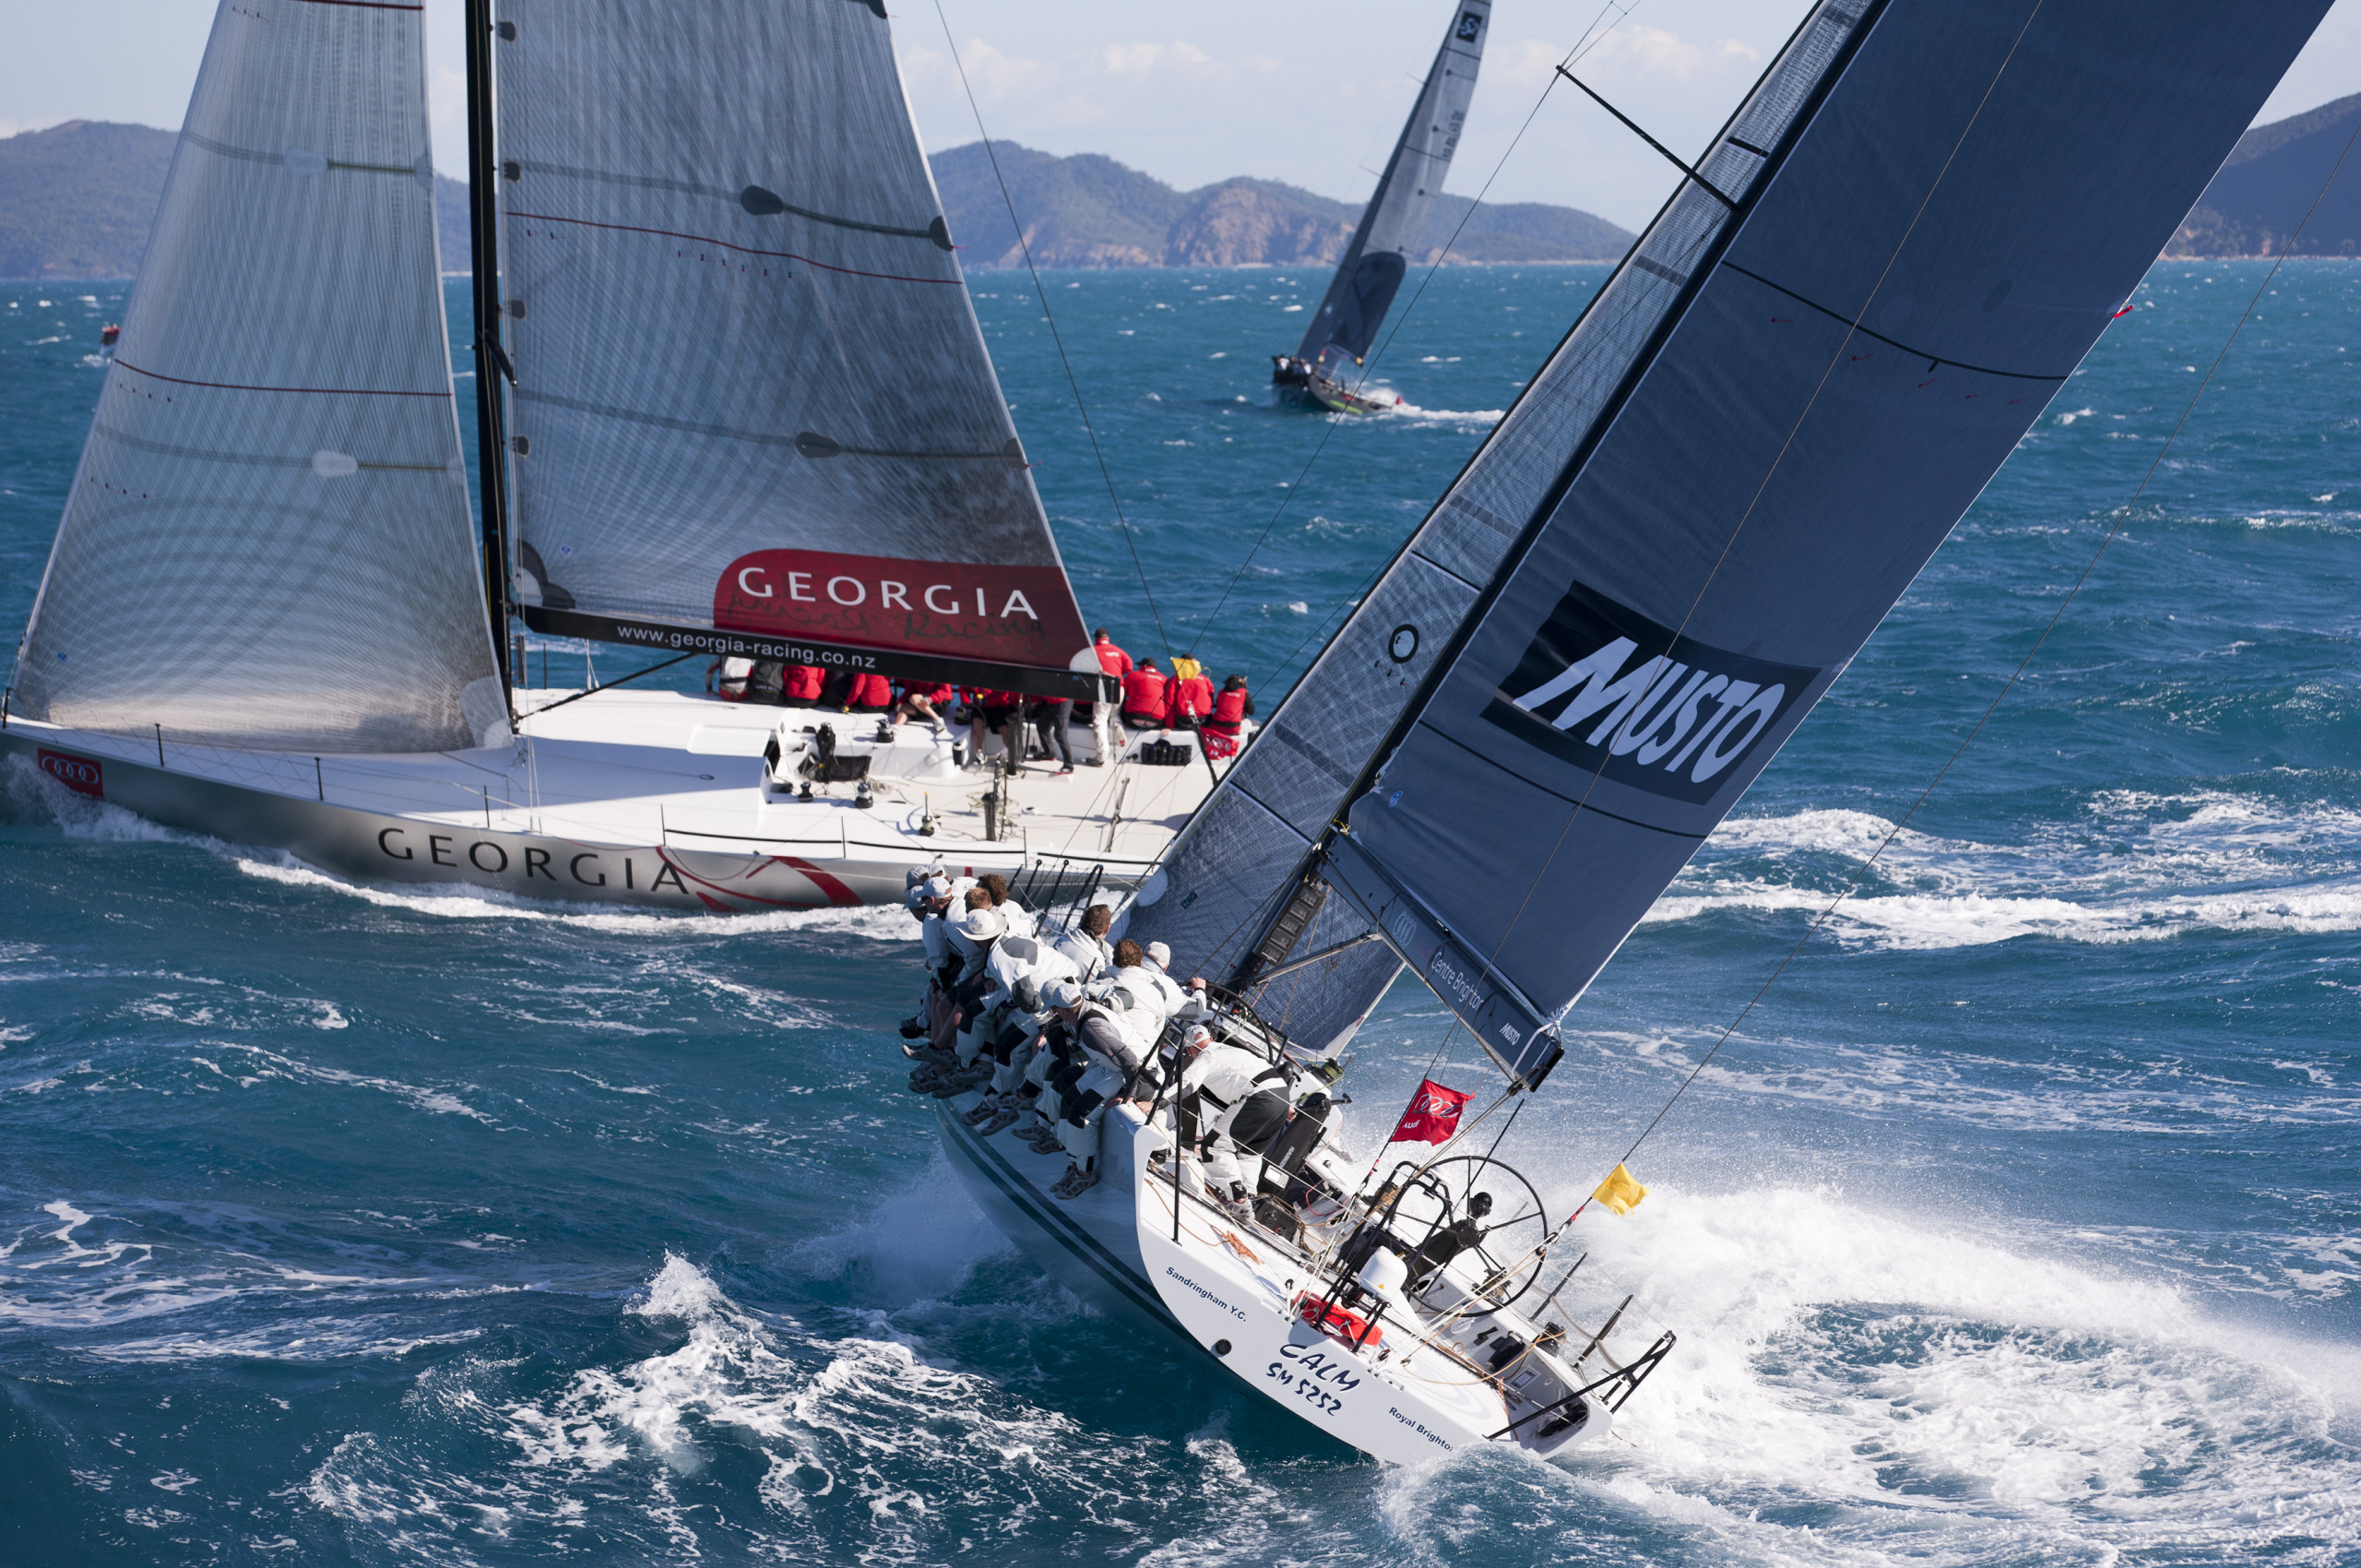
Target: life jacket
<point x="803" y="683"/>
<point x="871" y="694"/>
<point x="1229" y="712"/>
<point x="1192" y="697"/>
<point x="1144" y="694"/>
<point x="1112" y="660"/>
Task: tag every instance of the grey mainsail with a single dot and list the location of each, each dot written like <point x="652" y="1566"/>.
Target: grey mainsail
<point x="1394" y="223"/>
<point x="268" y="543"/>
<point x="752" y="393"/>
<point x="1821" y="351"/>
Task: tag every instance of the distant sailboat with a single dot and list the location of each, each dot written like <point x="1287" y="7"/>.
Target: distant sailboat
<point x="1393" y="225"/>
<point x="752" y="417"/>
<point x="1886" y="265"/>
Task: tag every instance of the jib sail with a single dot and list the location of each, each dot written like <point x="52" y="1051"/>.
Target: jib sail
<point x="268" y="543"/>
<point x="754" y="410"/>
<point x="1395" y="222"/>
<point x="1730" y="471"/>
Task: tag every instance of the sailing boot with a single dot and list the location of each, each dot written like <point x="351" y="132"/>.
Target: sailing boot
<point x="1078" y="1182"/>
<point x="1004" y="1118"/>
<point x="986" y="1108"/>
<point x="1041" y="1139"/>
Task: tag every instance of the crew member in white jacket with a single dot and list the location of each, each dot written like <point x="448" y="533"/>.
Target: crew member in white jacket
<point x="1233" y="1105"/>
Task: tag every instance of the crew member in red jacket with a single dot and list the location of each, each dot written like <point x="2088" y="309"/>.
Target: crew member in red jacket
<point x="928" y="702"/>
<point x="1231" y="709"/>
<point x="1112" y="660"/>
<point x="802" y="684"/>
<point x="1144" y="698"/>
<point x="996" y="713"/>
<point x="1191" y="698"/>
<point x="868" y="694"/>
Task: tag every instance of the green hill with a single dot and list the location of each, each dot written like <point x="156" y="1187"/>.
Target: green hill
<point x="2270" y="179"/>
<point x="76" y="201"/>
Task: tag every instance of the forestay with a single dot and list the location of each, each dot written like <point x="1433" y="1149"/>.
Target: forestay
<point x="268" y="543"/>
<point x="1398" y="216"/>
<point x="1908" y="269"/>
<point x="752" y="394"/>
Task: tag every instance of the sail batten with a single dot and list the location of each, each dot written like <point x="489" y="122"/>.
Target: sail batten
<point x="754" y="407"/>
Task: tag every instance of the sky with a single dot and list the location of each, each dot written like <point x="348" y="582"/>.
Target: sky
<point x="1311" y="92"/>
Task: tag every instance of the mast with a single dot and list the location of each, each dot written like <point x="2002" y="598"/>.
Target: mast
<point x="484" y="250"/>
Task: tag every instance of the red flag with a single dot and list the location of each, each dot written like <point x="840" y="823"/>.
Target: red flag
<point x="1432" y="1117"/>
<point x="1218" y="745"/>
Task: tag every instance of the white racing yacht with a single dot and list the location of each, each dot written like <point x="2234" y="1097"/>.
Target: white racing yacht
<point x="1322" y="371"/>
<point x="735" y="404"/>
<point x="1853" y="307"/>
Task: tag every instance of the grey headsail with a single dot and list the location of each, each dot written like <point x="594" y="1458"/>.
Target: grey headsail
<point x="754" y="409"/>
<point x="1394" y="223"/>
<point x="268" y="543"/>
<point x="1734" y="465"/>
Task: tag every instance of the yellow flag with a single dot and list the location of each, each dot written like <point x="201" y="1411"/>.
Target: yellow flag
<point x="1620" y="1192"/>
<point x="1186" y="668"/>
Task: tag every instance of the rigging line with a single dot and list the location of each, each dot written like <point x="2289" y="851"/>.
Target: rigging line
<point x="1771" y="470"/>
<point x="2122" y="515"/>
<point x="1026" y="248"/>
<point x="1329" y="429"/>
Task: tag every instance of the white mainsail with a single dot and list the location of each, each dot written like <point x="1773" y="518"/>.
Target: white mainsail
<point x="268" y="543"/>
<point x="751" y="392"/>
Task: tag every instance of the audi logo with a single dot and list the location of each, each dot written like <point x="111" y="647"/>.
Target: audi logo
<point x="78" y="774"/>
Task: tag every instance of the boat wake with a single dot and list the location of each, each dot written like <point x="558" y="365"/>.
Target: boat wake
<point x="2137" y="867"/>
<point x="1855" y="1387"/>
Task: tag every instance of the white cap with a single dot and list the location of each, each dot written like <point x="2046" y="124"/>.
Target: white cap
<point x="1161" y="953"/>
<point x="1061" y="993"/>
<point x="981" y="925"/>
<point x="935" y="886"/>
<point x="1197" y="1035"/>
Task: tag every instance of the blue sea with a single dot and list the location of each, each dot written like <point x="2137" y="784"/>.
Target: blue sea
<point x="2018" y="1224"/>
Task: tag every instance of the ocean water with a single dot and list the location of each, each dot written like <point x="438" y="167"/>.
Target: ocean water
<point x="348" y="1223"/>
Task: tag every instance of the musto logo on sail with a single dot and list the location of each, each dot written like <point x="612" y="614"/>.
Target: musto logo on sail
<point x="1605" y="688"/>
<point x="1020" y="614"/>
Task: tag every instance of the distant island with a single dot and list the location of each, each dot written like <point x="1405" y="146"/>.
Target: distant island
<point x="2268" y="180"/>
<point x="1091" y="211"/>
<point x="76" y="199"/>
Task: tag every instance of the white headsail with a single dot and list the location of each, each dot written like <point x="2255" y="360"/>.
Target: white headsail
<point x="752" y="393"/>
<point x="268" y="543"/>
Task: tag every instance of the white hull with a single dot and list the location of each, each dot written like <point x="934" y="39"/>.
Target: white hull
<point x="1233" y="1289"/>
<point x="633" y="797"/>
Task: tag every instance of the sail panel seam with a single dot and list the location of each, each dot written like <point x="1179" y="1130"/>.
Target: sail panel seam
<point x="300" y="391"/>
<point x="1932" y="360"/>
<point x="725" y="244"/>
<point x="793" y="443"/>
<point x="684" y="188"/>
